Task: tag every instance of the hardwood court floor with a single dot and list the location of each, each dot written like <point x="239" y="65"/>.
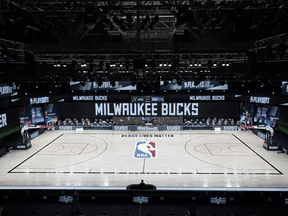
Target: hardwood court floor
<point x="183" y="159"/>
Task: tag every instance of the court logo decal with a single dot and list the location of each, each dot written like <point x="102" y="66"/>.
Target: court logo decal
<point x="145" y="149"/>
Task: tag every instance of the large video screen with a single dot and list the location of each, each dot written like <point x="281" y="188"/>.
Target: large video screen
<point x="191" y="85"/>
<point x="171" y="85"/>
<point x="92" y="86"/>
<point x="284" y="89"/>
<point x="259" y="114"/>
<point x="51" y="113"/>
<point x="7" y="90"/>
<point x="25" y="117"/>
<point x="39" y="114"/>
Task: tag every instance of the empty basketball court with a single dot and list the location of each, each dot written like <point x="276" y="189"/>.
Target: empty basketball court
<point x="180" y="160"/>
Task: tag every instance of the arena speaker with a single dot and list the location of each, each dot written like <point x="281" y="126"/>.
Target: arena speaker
<point x="2" y="151"/>
<point x="139" y="67"/>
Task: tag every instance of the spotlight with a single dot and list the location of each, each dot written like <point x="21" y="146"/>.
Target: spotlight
<point x="153" y="22"/>
<point x="145" y="22"/>
<point x="90" y="17"/>
<point x="4" y="53"/>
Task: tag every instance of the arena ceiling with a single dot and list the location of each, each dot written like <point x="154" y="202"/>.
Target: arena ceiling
<point x="44" y="40"/>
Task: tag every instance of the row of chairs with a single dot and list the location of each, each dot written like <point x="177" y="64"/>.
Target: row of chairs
<point x="209" y="122"/>
<point x="84" y="122"/>
<point x="103" y="121"/>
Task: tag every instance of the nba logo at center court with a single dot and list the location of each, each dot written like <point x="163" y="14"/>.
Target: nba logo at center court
<point x="145" y="149"/>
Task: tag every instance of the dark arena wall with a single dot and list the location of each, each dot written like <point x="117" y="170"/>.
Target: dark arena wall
<point x="185" y="105"/>
<point x="193" y="110"/>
